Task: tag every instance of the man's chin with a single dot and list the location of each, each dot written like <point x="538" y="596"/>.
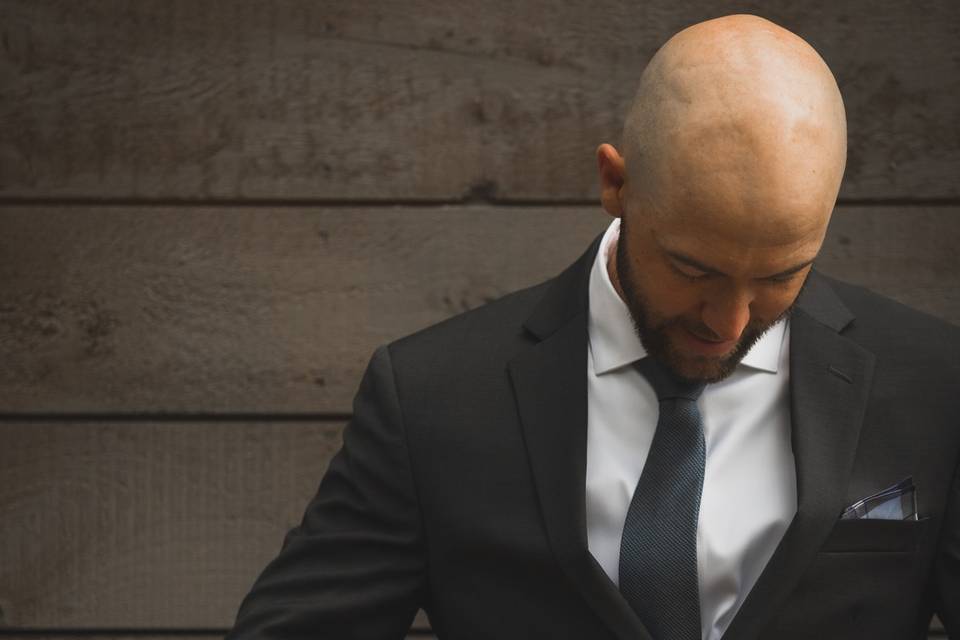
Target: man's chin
<point x="692" y="358"/>
<point x="702" y="361"/>
<point x="702" y="368"/>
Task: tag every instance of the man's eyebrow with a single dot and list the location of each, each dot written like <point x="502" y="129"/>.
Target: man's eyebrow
<point x="679" y="257"/>
<point x="791" y="270"/>
<point x="687" y="260"/>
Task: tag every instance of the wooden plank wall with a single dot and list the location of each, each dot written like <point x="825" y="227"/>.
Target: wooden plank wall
<point x="212" y="212"/>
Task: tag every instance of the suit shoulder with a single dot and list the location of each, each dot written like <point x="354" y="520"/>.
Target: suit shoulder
<point x="883" y="321"/>
<point x="491" y="327"/>
<point x="866" y="302"/>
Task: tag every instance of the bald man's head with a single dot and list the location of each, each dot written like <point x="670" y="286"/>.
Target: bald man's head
<point x="736" y="111"/>
<point x="733" y="153"/>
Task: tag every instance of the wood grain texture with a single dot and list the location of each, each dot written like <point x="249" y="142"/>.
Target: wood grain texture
<point x="147" y="525"/>
<point x="252" y="309"/>
<point x="416" y="100"/>
<point x="278" y="310"/>
<point x="54" y="635"/>
<point x="415" y="634"/>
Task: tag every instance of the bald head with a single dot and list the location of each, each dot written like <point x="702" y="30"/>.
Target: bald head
<point x="733" y="153"/>
<point x="741" y="121"/>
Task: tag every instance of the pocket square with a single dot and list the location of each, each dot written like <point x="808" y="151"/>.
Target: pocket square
<point x="897" y="502"/>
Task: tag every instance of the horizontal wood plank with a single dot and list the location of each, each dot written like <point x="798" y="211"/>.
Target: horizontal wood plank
<point x="138" y="525"/>
<point x="278" y="310"/>
<point x="6" y="634"/>
<point x="415" y="634"/>
<point x="147" y="525"/>
<point x="245" y="310"/>
<point x="343" y="100"/>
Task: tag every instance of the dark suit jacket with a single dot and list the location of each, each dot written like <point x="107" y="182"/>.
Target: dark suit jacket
<point x="460" y="484"/>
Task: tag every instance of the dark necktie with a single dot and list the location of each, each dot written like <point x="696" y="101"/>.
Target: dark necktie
<point x="658" y="550"/>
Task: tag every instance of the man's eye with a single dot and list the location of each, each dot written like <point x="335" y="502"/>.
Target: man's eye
<point x="783" y="279"/>
<point x="689" y="274"/>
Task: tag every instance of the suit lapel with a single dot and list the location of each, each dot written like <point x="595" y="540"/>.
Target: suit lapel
<point x="830" y="380"/>
<point x="550" y="384"/>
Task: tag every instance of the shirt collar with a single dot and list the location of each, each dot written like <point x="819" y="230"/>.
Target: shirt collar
<point x="614" y="342"/>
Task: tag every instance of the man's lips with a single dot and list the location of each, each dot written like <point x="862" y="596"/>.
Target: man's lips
<point x="707" y="347"/>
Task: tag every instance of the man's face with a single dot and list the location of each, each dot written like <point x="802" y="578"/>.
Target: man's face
<point x="701" y="297"/>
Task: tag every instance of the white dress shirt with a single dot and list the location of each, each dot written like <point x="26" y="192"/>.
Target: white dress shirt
<point x="749" y="489"/>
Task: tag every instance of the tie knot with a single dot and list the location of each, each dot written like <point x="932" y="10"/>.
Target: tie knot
<point x="666" y="384"/>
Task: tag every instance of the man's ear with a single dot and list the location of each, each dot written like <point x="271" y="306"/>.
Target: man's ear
<point x="612" y="175"/>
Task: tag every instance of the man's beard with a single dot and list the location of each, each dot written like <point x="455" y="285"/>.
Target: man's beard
<point x="653" y="334"/>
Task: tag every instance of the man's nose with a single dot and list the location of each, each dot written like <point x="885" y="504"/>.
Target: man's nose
<point x="728" y="314"/>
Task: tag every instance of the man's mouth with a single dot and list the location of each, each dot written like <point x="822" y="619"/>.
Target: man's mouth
<point x="707" y="347"/>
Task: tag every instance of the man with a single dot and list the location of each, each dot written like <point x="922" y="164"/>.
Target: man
<point x="663" y="441"/>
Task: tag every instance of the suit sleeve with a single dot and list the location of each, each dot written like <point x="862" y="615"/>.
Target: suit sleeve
<point x="354" y="566"/>
<point x="947" y="564"/>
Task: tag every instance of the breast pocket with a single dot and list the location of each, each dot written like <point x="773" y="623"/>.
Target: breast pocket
<point x="875" y="536"/>
<point x="865" y="582"/>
